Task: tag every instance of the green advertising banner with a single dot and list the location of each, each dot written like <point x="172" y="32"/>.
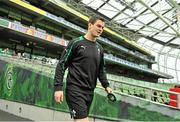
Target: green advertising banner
<point x="4" y="23"/>
<point x="2" y="75"/>
<point x="29" y="87"/>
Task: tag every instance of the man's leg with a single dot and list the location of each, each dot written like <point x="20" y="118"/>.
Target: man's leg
<point x="77" y="105"/>
<point x="89" y="99"/>
<point x="82" y="120"/>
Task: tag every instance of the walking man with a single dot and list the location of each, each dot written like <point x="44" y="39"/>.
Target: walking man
<point x="84" y="58"/>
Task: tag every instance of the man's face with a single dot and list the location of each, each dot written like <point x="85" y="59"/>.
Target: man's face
<point x="97" y="28"/>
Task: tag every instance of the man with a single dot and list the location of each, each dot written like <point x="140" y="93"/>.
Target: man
<point x="84" y="58"/>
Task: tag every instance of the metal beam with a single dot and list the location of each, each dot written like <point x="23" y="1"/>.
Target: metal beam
<point x="160" y="16"/>
<point x="102" y="5"/>
<point x="178" y="20"/>
<point x="175" y="4"/>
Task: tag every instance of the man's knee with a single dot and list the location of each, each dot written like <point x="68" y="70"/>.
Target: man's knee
<point x="82" y="120"/>
<point x="77" y="114"/>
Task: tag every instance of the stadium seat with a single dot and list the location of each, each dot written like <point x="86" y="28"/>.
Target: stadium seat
<point x="173" y="98"/>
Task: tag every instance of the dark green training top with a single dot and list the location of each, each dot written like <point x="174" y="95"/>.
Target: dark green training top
<point x="85" y="62"/>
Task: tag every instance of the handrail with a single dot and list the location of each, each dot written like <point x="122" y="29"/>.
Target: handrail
<point x="143" y="92"/>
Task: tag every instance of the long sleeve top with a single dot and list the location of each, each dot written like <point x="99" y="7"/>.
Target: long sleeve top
<point x="85" y="62"/>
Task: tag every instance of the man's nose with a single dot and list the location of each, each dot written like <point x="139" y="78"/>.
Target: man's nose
<point x="101" y="29"/>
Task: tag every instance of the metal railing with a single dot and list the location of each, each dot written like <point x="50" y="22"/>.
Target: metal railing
<point x="151" y="94"/>
<point x="37" y="66"/>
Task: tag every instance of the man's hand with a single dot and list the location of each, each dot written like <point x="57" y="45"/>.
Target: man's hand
<point x="108" y="90"/>
<point x="58" y="96"/>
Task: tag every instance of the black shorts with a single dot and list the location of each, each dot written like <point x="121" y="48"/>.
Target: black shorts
<point x="78" y="103"/>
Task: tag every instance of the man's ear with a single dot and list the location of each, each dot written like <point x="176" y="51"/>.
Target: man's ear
<point x="89" y="25"/>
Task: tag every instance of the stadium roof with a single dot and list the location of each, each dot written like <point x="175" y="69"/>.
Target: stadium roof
<point x="156" y="20"/>
<point x="154" y="24"/>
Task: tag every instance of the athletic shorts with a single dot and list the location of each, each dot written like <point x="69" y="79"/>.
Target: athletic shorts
<point x="78" y="103"/>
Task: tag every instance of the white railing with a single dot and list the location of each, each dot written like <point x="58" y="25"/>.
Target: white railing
<point x="31" y="64"/>
<point x="151" y="94"/>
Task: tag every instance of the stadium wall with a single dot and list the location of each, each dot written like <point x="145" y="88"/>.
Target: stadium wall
<point x="36" y="89"/>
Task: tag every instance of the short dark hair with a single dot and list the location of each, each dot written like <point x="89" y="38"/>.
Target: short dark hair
<point x="93" y="19"/>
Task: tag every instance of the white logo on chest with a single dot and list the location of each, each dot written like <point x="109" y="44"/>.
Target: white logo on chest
<point x="83" y="47"/>
<point x="99" y="51"/>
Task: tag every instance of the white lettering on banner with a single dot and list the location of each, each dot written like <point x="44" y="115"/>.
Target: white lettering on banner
<point x="18" y="27"/>
<point x="51" y="16"/>
<point x="56" y="40"/>
<point x="9" y="80"/>
<point x="66" y="43"/>
<point x="62" y="42"/>
<point x="60" y="19"/>
<point x="39" y="34"/>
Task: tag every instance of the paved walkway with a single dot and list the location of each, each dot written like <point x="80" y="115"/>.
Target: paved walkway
<point x="4" y="116"/>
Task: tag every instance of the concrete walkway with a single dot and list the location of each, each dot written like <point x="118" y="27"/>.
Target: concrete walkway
<point x="4" y="116"/>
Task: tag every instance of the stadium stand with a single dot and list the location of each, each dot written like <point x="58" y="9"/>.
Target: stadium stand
<point x="33" y="37"/>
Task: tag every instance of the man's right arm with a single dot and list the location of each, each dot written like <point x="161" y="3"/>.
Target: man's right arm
<point x="59" y="73"/>
<point x="62" y="66"/>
